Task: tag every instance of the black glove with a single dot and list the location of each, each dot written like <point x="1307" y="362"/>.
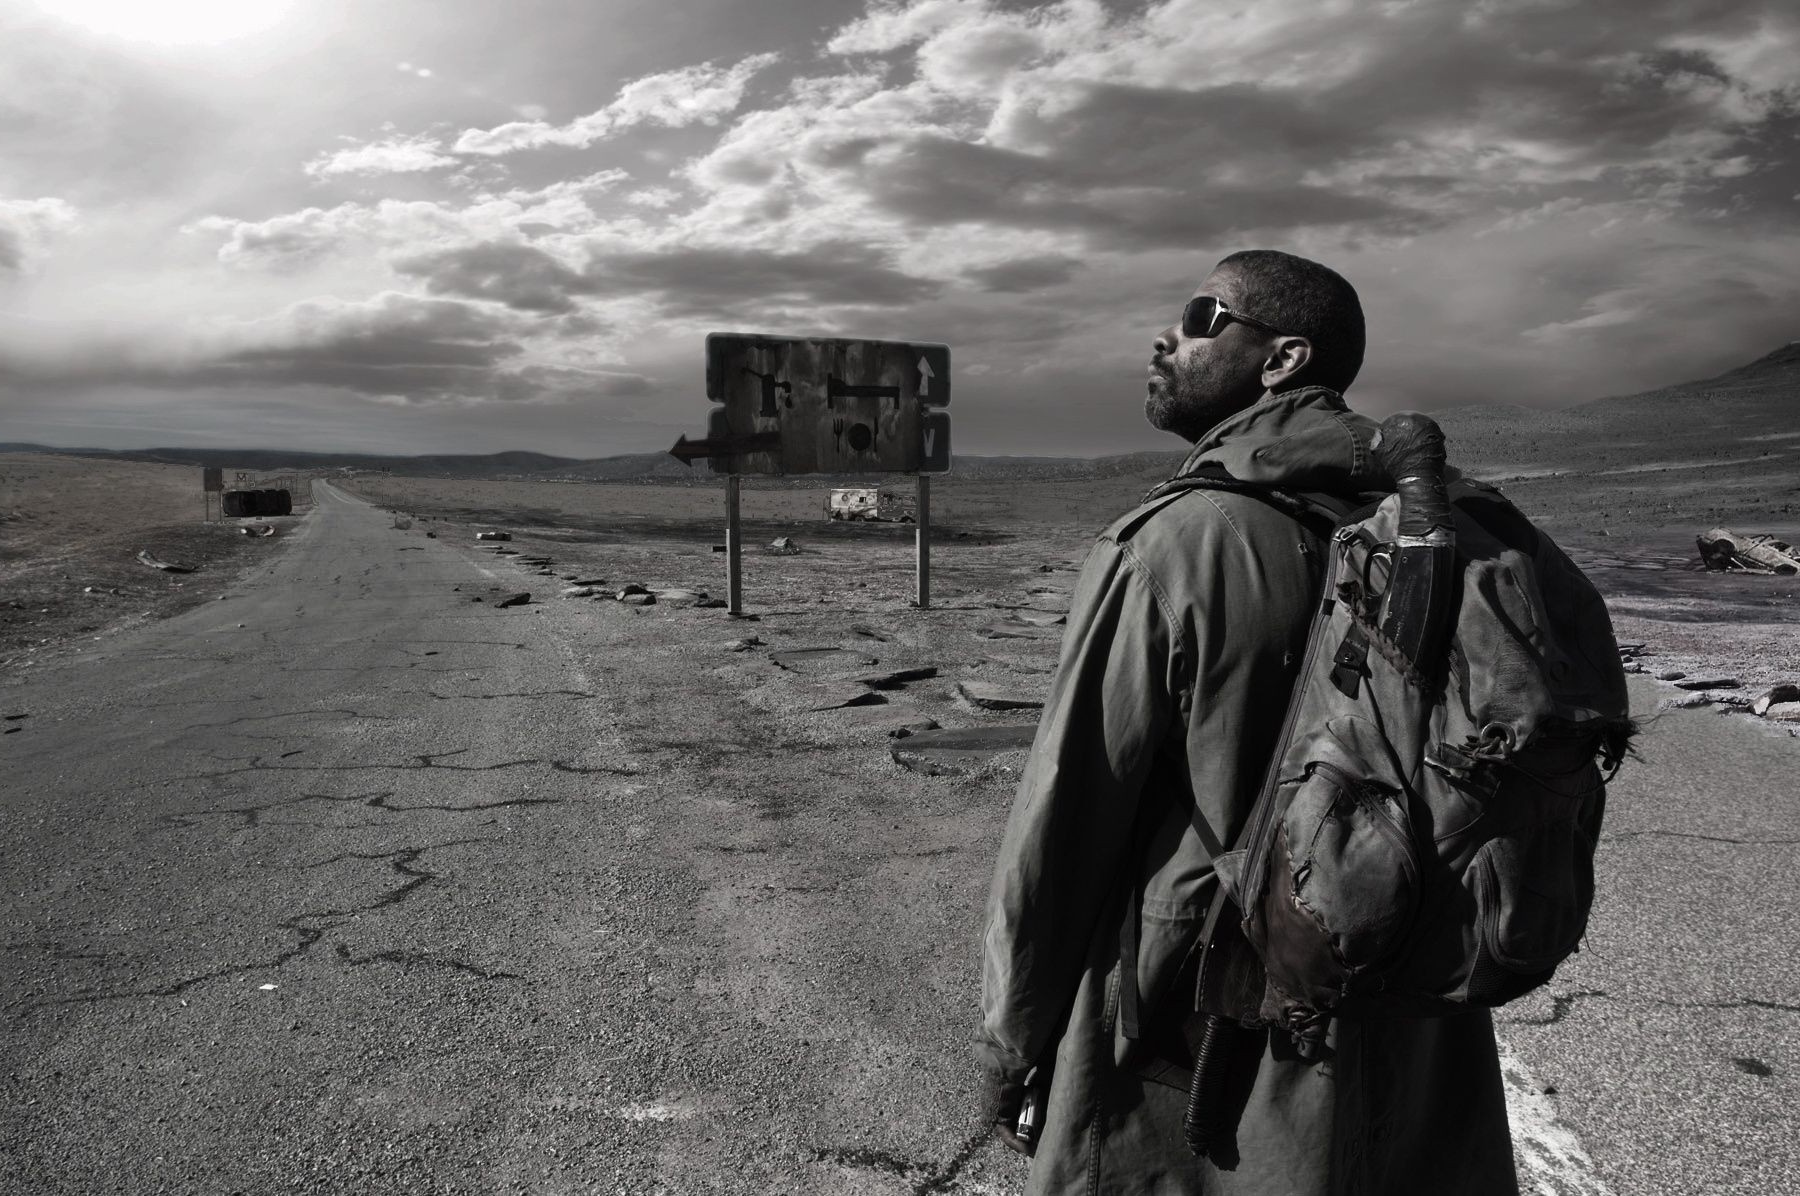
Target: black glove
<point x="1000" y="1104"/>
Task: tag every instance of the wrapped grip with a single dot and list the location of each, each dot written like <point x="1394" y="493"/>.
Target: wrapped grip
<point x="1410" y="449"/>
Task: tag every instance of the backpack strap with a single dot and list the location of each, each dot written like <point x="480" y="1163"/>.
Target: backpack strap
<point x="1318" y="512"/>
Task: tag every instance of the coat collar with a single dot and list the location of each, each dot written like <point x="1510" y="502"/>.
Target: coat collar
<point x="1305" y="439"/>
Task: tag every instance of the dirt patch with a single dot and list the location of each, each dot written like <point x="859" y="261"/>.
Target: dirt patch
<point x="70" y="532"/>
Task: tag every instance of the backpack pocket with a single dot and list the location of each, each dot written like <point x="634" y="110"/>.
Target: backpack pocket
<point x="1343" y="885"/>
<point x="1533" y="890"/>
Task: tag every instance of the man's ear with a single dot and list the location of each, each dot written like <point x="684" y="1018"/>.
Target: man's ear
<point x="1287" y="356"/>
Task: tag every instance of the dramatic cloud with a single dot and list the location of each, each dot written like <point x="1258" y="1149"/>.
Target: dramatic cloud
<point x="693" y="95"/>
<point x="1539" y="202"/>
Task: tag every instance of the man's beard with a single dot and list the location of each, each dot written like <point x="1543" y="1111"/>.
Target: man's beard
<point x="1189" y="400"/>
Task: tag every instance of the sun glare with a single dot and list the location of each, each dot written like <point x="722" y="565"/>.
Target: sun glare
<point x="170" y="22"/>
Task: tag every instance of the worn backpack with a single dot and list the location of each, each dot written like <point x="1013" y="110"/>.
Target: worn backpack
<point x="1424" y="840"/>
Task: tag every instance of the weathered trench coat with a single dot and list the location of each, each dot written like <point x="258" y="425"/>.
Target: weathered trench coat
<point x="1183" y="642"/>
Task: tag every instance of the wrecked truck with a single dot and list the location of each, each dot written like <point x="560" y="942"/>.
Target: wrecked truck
<point x="1725" y="551"/>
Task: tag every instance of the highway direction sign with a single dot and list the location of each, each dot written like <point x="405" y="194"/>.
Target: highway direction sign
<point x="830" y="406"/>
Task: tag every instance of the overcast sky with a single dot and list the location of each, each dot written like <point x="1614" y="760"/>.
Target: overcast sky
<point x="467" y="225"/>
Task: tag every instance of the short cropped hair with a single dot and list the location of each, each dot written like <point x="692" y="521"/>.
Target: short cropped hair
<point x="1303" y="298"/>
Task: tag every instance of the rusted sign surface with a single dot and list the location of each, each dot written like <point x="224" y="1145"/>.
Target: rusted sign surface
<point x="789" y="406"/>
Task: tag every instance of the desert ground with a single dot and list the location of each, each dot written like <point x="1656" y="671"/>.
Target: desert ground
<point x="591" y="894"/>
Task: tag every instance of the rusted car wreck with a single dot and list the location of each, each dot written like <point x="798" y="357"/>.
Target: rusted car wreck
<point x="1725" y="551"/>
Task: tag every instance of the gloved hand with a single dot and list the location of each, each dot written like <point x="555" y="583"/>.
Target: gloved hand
<point x="1000" y="1104"/>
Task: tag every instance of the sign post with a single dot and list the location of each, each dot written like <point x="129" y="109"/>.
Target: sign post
<point x="734" y="550"/>
<point x="211" y="482"/>
<point x="922" y="543"/>
<point x="797" y="406"/>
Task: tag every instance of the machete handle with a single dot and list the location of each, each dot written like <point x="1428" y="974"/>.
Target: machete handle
<point x="1410" y="449"/>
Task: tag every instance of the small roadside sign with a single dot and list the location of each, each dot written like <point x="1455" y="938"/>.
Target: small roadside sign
<point x="212" y="479"/>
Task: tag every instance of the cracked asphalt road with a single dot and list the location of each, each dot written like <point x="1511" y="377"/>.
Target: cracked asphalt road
<point x="347" y="883"/>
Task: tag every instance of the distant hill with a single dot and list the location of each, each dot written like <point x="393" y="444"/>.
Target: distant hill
<point x="634" y="467"/>
<point x="1757" y="401"/>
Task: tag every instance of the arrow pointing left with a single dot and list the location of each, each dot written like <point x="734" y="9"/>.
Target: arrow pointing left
<point x="686" y="450"/>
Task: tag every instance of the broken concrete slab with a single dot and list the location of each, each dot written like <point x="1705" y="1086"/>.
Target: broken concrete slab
<point x="1776" y="695"/>
<point x="895" y="719"/>
<point x="784" y="546"/>
<point x="1013" y="629"/>
<point x="519" y="599"/>
<point x="743" y="645"/>
<point x="587" y="581"/>
<point x="166" y="566"/>
<point x="629" y="588"/>
<point x="1670" y="675"/>
<point x="1705" y="682"/>
<point x="869" y="633"/>
<point x="985" y="695"/>
<point x="1685" y="702"/>
<point x="1043" y="618"/>
<point x="579" y="592"/>
<point x="643" y="599"/>
<point x="821" y="660"/>
<point x="837" y="695"/>
<point x="896" y="678"/>
<point x="959" y="751"/>
<point x="693" y="598"/>
<point x="1782" y="712"/>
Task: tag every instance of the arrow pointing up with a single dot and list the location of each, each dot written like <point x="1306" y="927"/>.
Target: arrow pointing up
<point x="925" y="377"/>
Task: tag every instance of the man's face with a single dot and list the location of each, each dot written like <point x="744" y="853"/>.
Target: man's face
<point x="1197" y="381"/>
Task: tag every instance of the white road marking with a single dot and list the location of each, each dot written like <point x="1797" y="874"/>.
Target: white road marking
<point x="1555" y="1163"/>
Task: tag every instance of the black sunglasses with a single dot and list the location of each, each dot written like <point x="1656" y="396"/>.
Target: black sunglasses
<point x="1205" y="316"/>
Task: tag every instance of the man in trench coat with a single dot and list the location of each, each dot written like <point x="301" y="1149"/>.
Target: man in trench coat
<point x="1182" y="645"/>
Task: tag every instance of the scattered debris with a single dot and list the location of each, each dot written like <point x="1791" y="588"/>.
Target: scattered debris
<point x="1723" y="550"/>
<point x="959" y="750"/>
<point x="13" y="718"/>
<point x="869" y="633"/>
<point x="743" y="645"/>
<point x="519" y="599"/>
<point x="1777" y="695"/>
<point x="821" y="660"/>
<point x="720" y="547"/>
<point x="784" y="546"/>
<point x="256" y="529"/>
<point x="1042" y="618"/>
<point x="835" y="696"/>
<point x="401" y="525"/>
<point x="1014" y="629"/>
<point x="1670" y="675"/>
<point x="431" y="535"/>
<point x="165" y="566"/>
<point x="683" y="598"/>
<point x="493" y="535"/>
<point x="987" y="696"/>
<point x="643" y="599"/>
<point x="587" y="581"/>
<point x="628" y="589"/>
<point x="898" y="677"/>
<point x="1685" y="702"/>
<point x="579" y="592"/>
<point x="1783" y="712"/>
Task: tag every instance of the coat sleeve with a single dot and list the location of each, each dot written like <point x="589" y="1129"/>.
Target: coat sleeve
<point x="1116" y="693"/>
